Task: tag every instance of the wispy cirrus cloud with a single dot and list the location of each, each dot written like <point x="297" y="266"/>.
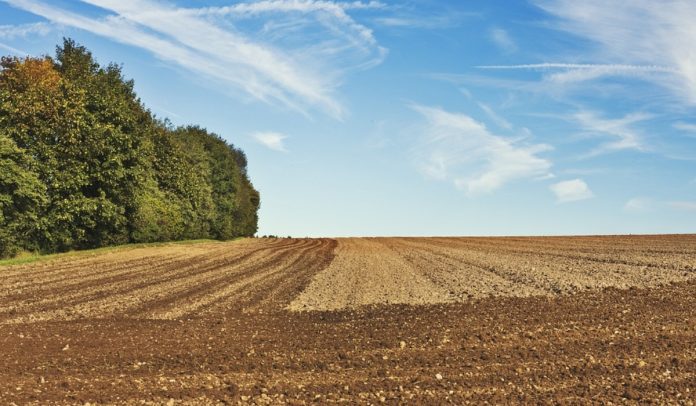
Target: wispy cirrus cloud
<point x="11" y="32"/>
<point x="283" y="17"/>
<point x="636" y="33"/>
<point x="406" y="16"/>
<point x="567" y="73"/>
<point x="571" y="191"/>
<point x="265" y="6"/>
<point x="689" y="127"/>
<point x="502" y="39"/>
<point x="499" y="120"/>
<point x="23" y="30"/>
<point x="271" y="140"/>
<point x="270" y="62"/>
<point x="621" y="130"/>
<point x="638" y="205"/>
<point x="462" y="150"/>
<point x="13" y="50"/>
<point x="618" y="68"/>
<point x="684" y="127"/>
<point x="432" y="22"/>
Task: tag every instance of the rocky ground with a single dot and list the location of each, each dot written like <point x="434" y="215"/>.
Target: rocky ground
<point x="266" y="321"/>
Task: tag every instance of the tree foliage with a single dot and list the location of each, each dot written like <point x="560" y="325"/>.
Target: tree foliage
<point x="84" y="164"/>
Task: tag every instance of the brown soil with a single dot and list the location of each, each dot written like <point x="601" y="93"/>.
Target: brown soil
<point x="441" y="270"/>
<point x="206" y="323"/>
<point x="368" y="271"/>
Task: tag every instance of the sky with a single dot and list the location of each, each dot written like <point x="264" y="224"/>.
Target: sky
<point x="417" y="118"/>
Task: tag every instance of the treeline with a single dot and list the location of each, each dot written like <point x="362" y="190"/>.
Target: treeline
<point x="84" y="164"/>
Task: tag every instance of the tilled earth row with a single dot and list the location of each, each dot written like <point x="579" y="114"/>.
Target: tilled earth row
<point x="469" y="320"/>
<point x="370" y="271"/>
<point x="164" y="282"/>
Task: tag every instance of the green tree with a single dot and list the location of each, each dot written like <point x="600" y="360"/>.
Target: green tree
<point x="22" y="196"/>
<point x="100" y="169"/>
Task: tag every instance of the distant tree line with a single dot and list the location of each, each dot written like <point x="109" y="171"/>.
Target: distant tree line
<point x="84" y="164"/>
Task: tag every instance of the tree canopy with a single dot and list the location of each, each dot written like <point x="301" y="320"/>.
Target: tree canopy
<point x="84" y="164"/>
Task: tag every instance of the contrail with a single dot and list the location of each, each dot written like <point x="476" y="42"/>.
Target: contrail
<point x="615" y="67"/>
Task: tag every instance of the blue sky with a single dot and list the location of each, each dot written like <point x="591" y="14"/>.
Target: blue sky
<point x="418" y="117"/>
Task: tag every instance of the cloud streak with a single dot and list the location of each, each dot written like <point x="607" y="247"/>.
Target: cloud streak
<point x="462" y="150"/>
<point x="8" y="32"/>
<point x="567" y="73"/>
<point x="621" y="130"/>
<point x="502" y="40"/>
<point x="271" y="64"/>
<point x="13" y="50"/>
<point x="583" y="66"/>
<point x="499" y="120"/>
<point x="637" y="33"/>
<point x="266" y="6"/>
<point x="688" y="128"/>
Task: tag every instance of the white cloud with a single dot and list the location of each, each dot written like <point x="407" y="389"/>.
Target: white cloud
<point x="24" y="30"/>
<point x="339" y="22"/>
<point x="266" y="6"/>
<point x="277" y="62"/>
<point x="499" y="120"/>
<point x="626" y="138"/>
<point x="638" y="205"/>
<point x="689" y="128"/>
<point x="607" y="68"/>
<point x="13" y="50"/>
<point x="416" y="19"/>
<point x="683" y="205"/>
<point x="571" y="191"/>
<point x="639" y="32"/>
<point x="567" y="73"/>
<point x="434" y="22"/>
<point x="460" y="149"/>
<point x="502" y="39"/>
<point x="271" y="140"/>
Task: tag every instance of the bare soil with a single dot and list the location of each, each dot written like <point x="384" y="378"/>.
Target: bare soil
<point x="370" y="271"/>
<point x="398" y="320"/>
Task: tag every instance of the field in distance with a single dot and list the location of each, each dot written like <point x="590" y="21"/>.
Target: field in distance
<point x="358" y="319"/>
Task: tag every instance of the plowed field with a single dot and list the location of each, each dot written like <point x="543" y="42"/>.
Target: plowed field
<point x="367" y="320"/>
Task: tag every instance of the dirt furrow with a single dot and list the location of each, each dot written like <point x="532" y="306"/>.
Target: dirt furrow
<point x="273" y="291"/>
<point x="276" y="292"/>
<point x="98" y="273"/>
<point x="248" y="293"/>
<point x="558" y="274"/>
<point x="495" y="350"/>
<point x="608" y="253"/>
<point x="67" y="297"/>
<point x="60" y="271"/>
<point x="131" y="293"/>
<point x="364" y="272"/>
<point x="463" y="280"/>
<point x="230" y="280"/>
<point x="85" y="260"/>
<point x="479" y="320"/>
